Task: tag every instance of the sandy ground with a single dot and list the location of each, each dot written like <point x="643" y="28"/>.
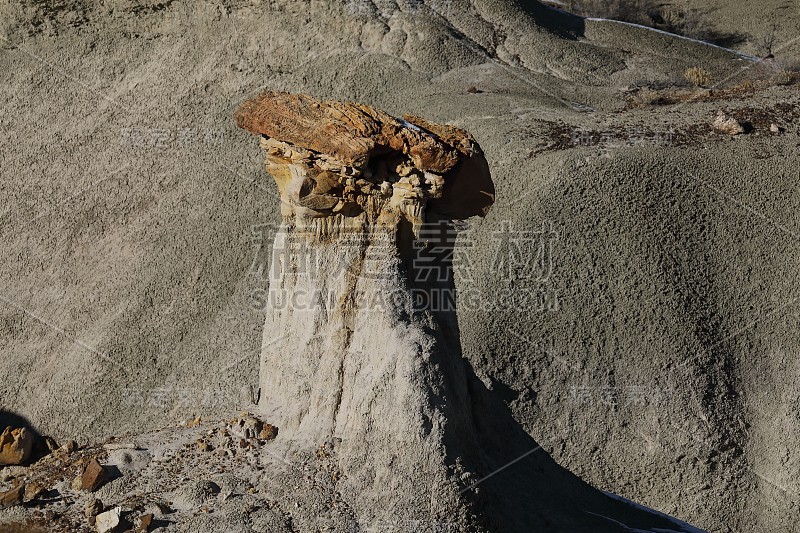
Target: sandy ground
<point x="654" y="357"/>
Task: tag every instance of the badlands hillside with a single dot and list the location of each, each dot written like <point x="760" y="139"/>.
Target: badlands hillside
<point x="627" y="310"/>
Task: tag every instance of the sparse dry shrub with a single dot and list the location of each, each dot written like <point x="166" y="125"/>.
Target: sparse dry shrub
<point x="765" y="43"/>
<point x="697" y="76"/>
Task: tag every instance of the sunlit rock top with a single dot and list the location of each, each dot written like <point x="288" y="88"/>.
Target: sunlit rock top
<point x="333" y="158"/>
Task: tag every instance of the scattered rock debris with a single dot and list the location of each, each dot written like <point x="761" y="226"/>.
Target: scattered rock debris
<point x="246" y="431"/>
<point x="165" y="478"/>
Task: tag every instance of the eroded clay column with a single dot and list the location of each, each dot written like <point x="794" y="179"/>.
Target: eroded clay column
<point x="346" y="354"/>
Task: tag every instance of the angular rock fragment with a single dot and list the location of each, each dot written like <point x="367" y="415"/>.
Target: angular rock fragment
<point x="268" y="432"/>
<point x="108" y="521"/>
<point x="143" y="523"/>
<point x="92" y="507"/>
<point x="726" y="124"/>
<point x="16" y="445"/>
<point x="12" y="497"/>
<point x="249" y="431"/>
<point x="93" y="477"/>
<point x="248" y="426"/>
<point x="32" y="491"/>
<point x="345" y="159"/>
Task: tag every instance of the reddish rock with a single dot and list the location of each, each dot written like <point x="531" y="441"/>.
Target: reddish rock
<point x="143" y="523"/>
<point x="298" y="129"/>
<point x="268" y="432"/>
<point x="93" y="477"/>
<point x="348" y="131"/>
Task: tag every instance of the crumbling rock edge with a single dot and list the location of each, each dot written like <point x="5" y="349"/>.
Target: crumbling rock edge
<point x="332" y="158"/>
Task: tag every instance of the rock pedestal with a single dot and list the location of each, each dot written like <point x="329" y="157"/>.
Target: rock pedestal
<point x="348" y="355"/>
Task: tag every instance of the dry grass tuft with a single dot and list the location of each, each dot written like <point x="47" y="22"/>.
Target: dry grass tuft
<point x="697" y="76"/>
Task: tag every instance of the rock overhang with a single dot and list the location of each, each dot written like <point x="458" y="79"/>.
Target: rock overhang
<point x="338" y="158"/>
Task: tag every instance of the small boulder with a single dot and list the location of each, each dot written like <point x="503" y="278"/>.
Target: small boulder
<point x="143" y="523"/>
<point x="12" y="497"/>
<point x="268" y="432"/>
<point x="32" y="491"/>
<point x="16" y="445"/>
<point x="108" y="521"/>
<point x="726" y="124"/>
<point x="93" y="477"/>
<point x="249" y="427"/>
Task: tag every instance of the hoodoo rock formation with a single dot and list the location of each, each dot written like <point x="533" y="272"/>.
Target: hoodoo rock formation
<point x="351" y="359"/>
<point x="347" y="354"/>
